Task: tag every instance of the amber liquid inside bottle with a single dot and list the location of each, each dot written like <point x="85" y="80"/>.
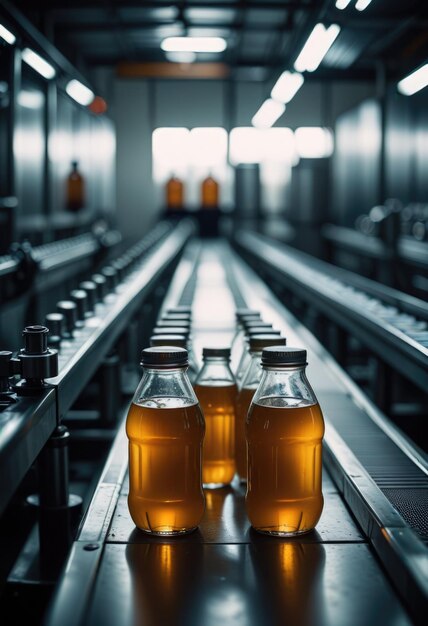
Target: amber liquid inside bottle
<point x="284" y="494"/>
<point x="210" y="193"/>
<point x="75" y="191"/>
<point x="165" y="450"/>
<point x="243" y="402"/>
<point x="174" y="193"/>
<point x="218" y="406"/>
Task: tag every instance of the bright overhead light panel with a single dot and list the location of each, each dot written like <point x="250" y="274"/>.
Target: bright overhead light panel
<point x="7" y="35"/>
<point x="268" y="114"/>
<point x="414" y="82"/>
<point x="342" y="4"/>
<point x="79" y="92"/>
<point x="194" y="44"/>
<point x="38" y="63"/>
<point x="360" y="5"/>
<point x="286" y="87"/>
<point x="316" y="47"/>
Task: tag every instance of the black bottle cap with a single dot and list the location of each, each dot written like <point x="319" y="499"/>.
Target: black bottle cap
<point x="171" y="330"/>
<point x="164" y="357"/>
<point x="241" y="313"/>
<point x="80" y="297"/>
<point x="169" y="323"/>
<point x="249" y="323"/>
<point x="176" y="317"/>
<point x="181" y="308"/>
<point x="100" y="282"/>
<point x="56" y="324"/>
<point x="169" y="340"/>
<point x="282" y="356"/>
<point x="91" y="290"/>
<point x="262" y="330"/>
<point x="69" y="310"/>
<point x="258" y="342"/>
<point x="223" y="353"/>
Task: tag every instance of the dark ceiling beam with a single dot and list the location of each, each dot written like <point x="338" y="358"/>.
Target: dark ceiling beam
<point x="152" y="25"/>
<point x="259" y="5"/>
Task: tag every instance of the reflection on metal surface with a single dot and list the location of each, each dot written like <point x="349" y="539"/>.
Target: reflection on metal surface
<point x="290" y="575"/>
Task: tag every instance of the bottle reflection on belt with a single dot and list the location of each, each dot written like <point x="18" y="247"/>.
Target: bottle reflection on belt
<point x="289" y="577"/>
<point x="165" y="577"/>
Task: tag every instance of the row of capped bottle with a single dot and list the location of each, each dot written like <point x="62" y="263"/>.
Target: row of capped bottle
<point x="175" y="192"/>
<point x="184" y="437"/>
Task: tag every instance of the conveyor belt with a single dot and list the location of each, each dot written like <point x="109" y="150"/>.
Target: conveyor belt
<point x="399" y="338"/>
<point x="27" y="424"/>
<point x="225" y="572"/>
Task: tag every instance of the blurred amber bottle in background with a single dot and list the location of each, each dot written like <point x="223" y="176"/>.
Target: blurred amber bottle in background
<point x="174" y="193"/>
<point x="210" y="193"/>
<point x="75" y="189"/>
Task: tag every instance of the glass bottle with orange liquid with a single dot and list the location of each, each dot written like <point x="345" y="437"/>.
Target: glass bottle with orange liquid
<point x="284" y="432"/>
<point x="75" y="197"/>
<point x="209" y="193"/>
<point x="165" y="427"/>
<point x="244" y="361"/>
<point x="174" y="194"/>
<point x="250" y="382"/>
<point x="239" y="337"/>
<point x="216" y="390"/>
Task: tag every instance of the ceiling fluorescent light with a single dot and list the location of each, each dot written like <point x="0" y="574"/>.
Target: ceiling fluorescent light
<point x="316" y="47"/>
<point x="38" y="63"/>
<point x="286" y="87"/>
<point x="414" y="82"/>
<point x="268" y="113"/>
<point x="79" y="92"/>
<point x="360" y="5"/>
<point x="342" y="4"/>
<point x="7" y="35"/>
<point x="194" y="44"/>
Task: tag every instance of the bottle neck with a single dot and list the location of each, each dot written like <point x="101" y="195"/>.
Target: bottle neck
<point x="172" y="384"/>
<point x="284" y="386"/>
<point x="215" y="372"/>
<point x="254" y="372"/>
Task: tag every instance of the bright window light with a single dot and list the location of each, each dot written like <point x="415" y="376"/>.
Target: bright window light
<point x="267" y="115"/>
<point x="414" y="82"/>
<point x="257" y="145"/>
<point x="194" y="44"/>
<point x="171" y="152"/>
<point x="246" y="145"/>
<point x="314" y="142"/>
<point x="316" y="47"/>
<point x="79" y="92"/>
<point x="181" y="57"/>
<point x="342" y="4"/>
<point x="279" y="146"/>
<point x="38" y="63"/>
<point x="7" y="35"/>
<point x="286" y="87"/>
<point x="208" y="147"/>
<point x="360" y="5"/>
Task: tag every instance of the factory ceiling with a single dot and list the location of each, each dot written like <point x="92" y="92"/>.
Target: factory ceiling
<point x="262" y="36"/>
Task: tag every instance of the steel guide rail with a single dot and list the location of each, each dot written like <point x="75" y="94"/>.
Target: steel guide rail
<point x="395" y="543"/>
<point x="402" y="552"/>
<point x="380" y="328"/>
<point x="28" y="422"/>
